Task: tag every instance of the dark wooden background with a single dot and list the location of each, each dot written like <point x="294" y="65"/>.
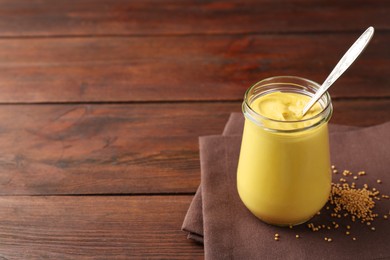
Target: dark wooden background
<point x="102" y="103"/>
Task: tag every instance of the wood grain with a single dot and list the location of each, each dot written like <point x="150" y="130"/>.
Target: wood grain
<point x="181" y="68"/>
<point x="95" y="227"/>
<point x="88" y="149"/>
<point x="122" y="149"/>
<point x="178" y="17"/>
<point x="361" y="112"/>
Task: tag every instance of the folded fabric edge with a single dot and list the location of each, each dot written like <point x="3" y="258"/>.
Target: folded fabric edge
<point x="197" y="238"/>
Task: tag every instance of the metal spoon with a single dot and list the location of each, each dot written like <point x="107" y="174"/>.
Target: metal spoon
<point x="346" y="61"/>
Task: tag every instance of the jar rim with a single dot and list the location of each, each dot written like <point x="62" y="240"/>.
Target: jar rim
<point x="291" y="81"/>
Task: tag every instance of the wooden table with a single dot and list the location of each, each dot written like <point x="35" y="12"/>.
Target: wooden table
<point x="102" y="103"/>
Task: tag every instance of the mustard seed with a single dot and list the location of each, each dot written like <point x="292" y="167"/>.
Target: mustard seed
<point x="357" y="202"/>
<point x="346" y="200"/>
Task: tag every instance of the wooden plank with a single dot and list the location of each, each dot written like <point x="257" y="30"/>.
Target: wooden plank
<point x="95" y="227"/>
<point x="122" y="149"/>
<point x="147" y="17"/>
<point x="181" y="68"/>
<point x="87" y="149"/>
<point x="361" y="112"/>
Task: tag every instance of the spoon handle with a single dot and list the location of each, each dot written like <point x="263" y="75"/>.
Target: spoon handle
<point x="346" y="61"/>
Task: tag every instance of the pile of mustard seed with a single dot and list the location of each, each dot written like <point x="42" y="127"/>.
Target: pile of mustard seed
<point x="357" y="202"/>
<point x="346" y="200"/>
<point x="349" y="201"/>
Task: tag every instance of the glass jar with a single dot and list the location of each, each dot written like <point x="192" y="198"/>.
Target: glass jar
<point x="284" y="172"/>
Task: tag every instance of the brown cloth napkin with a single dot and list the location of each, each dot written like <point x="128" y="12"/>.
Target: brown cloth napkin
<point x="193" y="222"/>
<point x="219" y="219"/>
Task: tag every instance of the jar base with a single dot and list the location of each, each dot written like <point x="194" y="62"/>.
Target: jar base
<point x="285" y="224"/>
